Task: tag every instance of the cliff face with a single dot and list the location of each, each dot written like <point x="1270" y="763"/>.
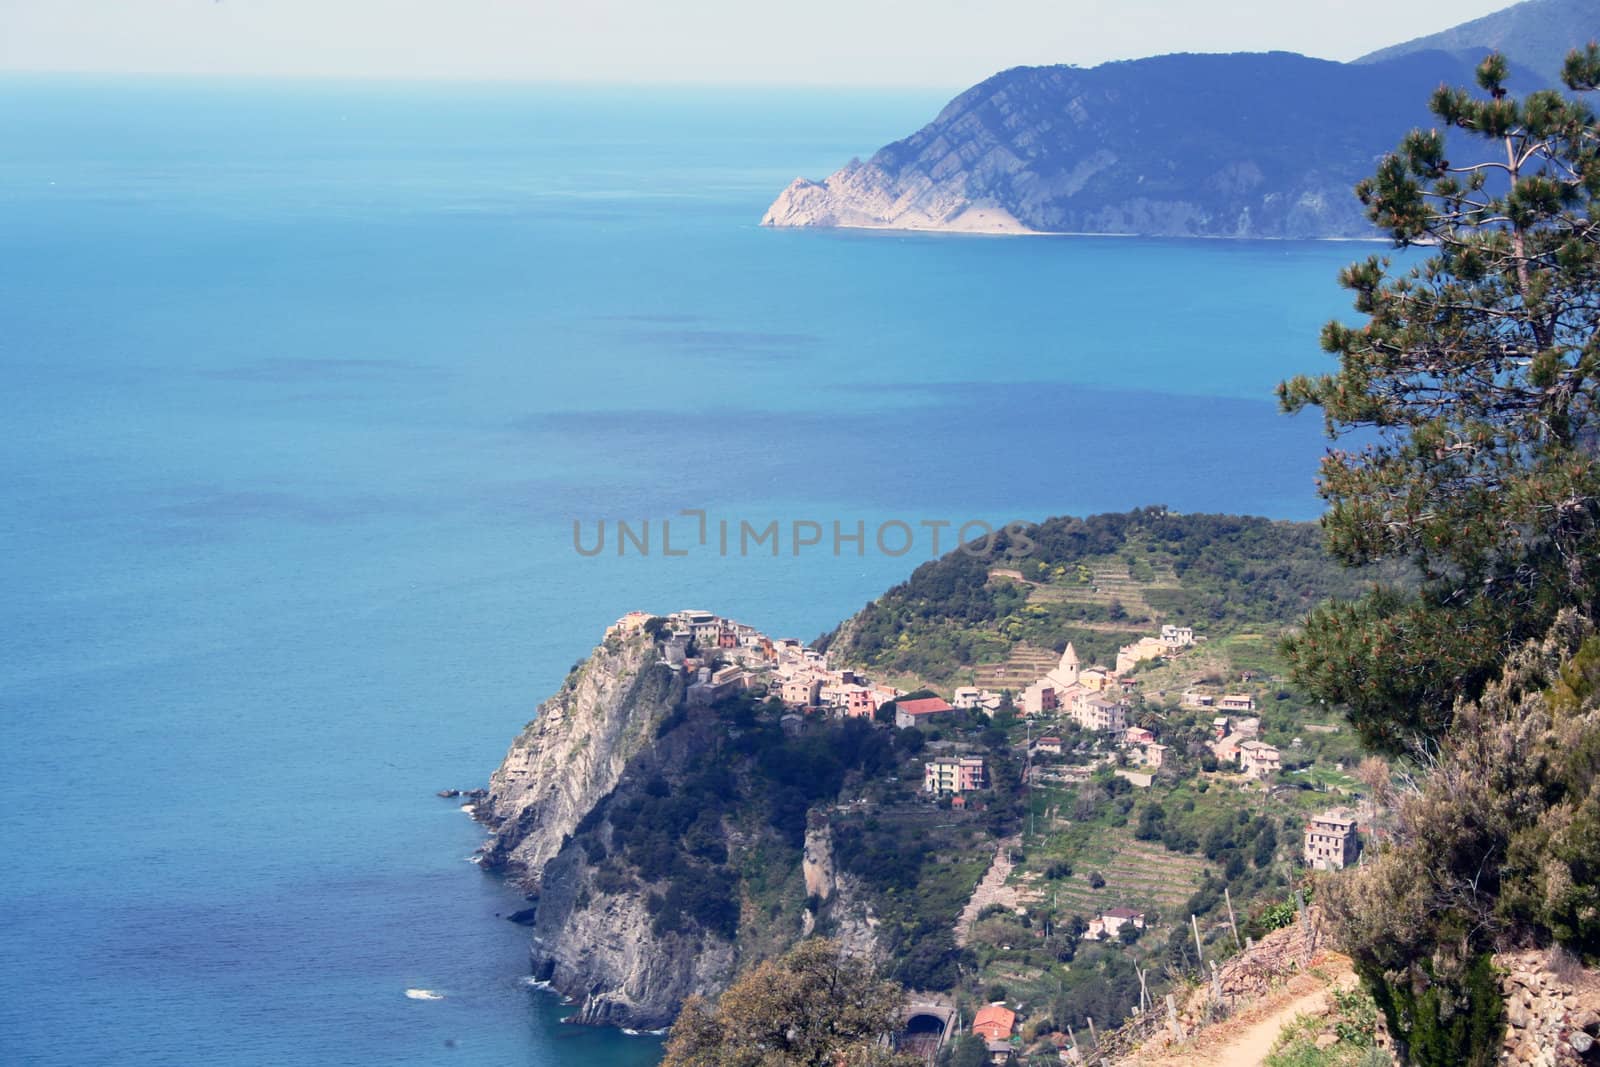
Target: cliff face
<point x="1184" y="145"/>
<point x="574" y="753"/>
<point x="596" y="944"/>
<point x="666" y="846"/>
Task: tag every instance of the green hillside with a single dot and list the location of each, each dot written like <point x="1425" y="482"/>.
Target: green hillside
<point x="1100" y="582"/>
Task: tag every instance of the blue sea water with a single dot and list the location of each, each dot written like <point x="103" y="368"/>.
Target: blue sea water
<point x="305" y="386"/>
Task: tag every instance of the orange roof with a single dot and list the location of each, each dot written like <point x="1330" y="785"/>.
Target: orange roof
<point x="994" y="1022"/>
<point x="924" y="706"/>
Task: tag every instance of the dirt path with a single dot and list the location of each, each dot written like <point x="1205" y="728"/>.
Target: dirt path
<point x="1245" y="1039"/>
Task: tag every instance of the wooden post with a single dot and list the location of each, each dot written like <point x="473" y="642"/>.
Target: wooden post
<point x="1305" y="925"/>
<point x="1092" y="1035"/>
<point x="1172" y="1018"/>
<point x="1143" y="996"/>
<point x="1231" y="920"/>
<point x="1076" y="1051"/>
<point x="1199" y="953"/>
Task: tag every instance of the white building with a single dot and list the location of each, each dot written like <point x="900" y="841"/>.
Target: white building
<point x="1177" y="636"/>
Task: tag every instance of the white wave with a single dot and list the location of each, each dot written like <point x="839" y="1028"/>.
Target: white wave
<point x="424" y="994"/>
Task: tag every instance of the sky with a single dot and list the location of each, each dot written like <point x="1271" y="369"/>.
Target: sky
<point x="922" y="43"/>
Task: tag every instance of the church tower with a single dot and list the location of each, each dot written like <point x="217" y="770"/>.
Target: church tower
<point x="1066" y="672"/>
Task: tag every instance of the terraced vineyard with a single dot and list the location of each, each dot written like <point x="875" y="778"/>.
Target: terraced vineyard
<point x="1109" y="583"/>
<point x="1019" y="670"/>
<point x="1138" y="874"/>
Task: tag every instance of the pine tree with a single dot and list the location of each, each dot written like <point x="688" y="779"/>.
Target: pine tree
<point x="1473" y="390"/>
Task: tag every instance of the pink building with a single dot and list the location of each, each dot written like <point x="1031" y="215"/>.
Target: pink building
<point x="954" y="774"/>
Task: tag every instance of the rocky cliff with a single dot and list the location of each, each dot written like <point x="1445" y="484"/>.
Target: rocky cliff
<point x="1247" y="145"/>
<point x="574" y="753"/>
<point x="667" y="846"/>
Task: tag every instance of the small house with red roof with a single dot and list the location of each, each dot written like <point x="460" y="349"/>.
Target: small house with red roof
<point x="994" y="1023"/>
<point x="919" y="712"/>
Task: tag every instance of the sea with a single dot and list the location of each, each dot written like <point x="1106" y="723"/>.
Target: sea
<point x="317" y="400"/>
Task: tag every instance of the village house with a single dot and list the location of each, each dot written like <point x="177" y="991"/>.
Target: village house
<point x="1039" y="698"/>
<point x="919" y="712"/>
<point x="883" y="694"/>
<point x="802" y="691"/>
<point x="954" y="774"/>
<point x="1096" y="713"/>
<point x="968" y="698"/>
<point x="712" y="686"/>
<point x="1257" y="759"/>
<point x="859" y="702"/>
<point x="1219" y="727"/>
<point x="1050" y="746"/>
<point x="1141" y="651"/>
<point x="1137" y="735"/>
<point x="1155" y="755"/>
<point x="994" y="1023"/>
<point x="1177" y="636"/>
<point x="1237" y="702"/>
<point x="1109" y="924"/>
<point x="1098" y="680"/>
<point x="630" y="623"/>
<point x="703" y="626"/>
<point x="1195" y="698"/>
<point x="1331" y="840"/>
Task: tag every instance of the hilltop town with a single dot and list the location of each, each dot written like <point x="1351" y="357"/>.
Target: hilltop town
<point x="1133" y="822"/>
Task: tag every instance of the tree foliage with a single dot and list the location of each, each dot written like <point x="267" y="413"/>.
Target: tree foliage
<point x="814" y="1007"/>
<point x="1496" y="849"/>
<point x="1472" y="388"/>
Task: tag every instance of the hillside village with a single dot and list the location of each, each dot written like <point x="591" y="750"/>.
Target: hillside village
<point x="1164" y="813"/>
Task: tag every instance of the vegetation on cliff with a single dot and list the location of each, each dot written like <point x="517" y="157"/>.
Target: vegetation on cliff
<point x="814" y="1007"/>
<point x="729" y="770"/>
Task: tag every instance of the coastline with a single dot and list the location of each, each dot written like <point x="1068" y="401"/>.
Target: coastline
<point x="1022" y="231"/>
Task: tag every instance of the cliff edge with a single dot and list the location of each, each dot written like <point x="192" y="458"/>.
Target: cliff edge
<point x="671" y="834"/>
<point x="574" y="753"/>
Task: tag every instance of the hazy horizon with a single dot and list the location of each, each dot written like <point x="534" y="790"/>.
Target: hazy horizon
<point x="860" y="44"/>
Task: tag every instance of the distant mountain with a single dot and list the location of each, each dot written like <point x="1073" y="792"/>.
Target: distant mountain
<point x="1244" y="145"/>
<point x="1536" y="34"/>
